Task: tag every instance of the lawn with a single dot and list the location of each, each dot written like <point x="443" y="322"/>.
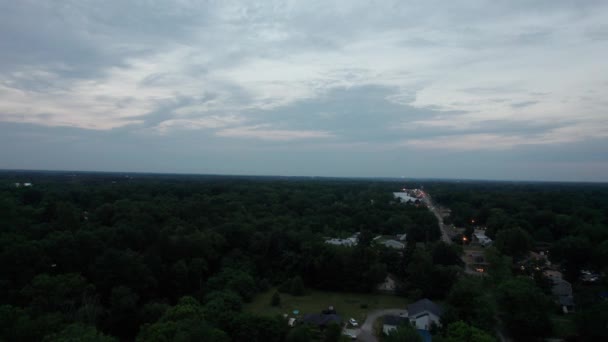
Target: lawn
<point x="563" y="326"/>
<point x="347" y="305"/>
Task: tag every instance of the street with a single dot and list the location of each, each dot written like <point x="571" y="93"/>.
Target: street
<point x="426" y="198"/>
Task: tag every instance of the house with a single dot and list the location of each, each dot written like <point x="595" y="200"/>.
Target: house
<point x="425" y="335"/>
<point x="322" y="320"/>
<point x="348" y="242"/>
<point x="480" y="237"/>
<point x="562" y="290"/>
<point x="394" y="244"/>
<point x="390" y="323"/>
<point x="404" y="197"/>
<point x="567" y="303"/>
<point x="397" y="241"/>
<point x="553" y="275"/>
<point x="424" y="313"/>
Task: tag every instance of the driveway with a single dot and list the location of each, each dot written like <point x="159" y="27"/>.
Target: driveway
<point x="366" y="333"/>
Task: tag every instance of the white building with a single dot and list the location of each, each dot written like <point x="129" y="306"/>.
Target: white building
<point x="480" y="237"/>
<point x="404" y="197"/>
<point x="424" y="313"/>
<point x="348" y="242"/>
<point x="394" y="244"/>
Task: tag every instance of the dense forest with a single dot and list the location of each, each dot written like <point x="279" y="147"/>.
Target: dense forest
<point x="106" y="257"/>
<point x="117" y="253"/>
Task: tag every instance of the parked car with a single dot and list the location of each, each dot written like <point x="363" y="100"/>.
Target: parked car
<point x="353" y="322"/>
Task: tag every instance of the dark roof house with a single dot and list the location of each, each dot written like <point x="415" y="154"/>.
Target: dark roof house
<point x="422" y="306"/>
<point x="322" y="320"/>
<point x="424" y="314"/>
<point x="395" y="320"/>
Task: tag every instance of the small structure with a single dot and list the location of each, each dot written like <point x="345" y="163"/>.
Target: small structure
<point x="480" y="237"/>
<point x="561" y="290"/>
<point x="397" y="241"/>
<point x="424" y="313"/>
<point x="394" y="244"/>
<point x="390" y="323"/>
<point x="321" y="321"/>
<point x="553" y="275"/>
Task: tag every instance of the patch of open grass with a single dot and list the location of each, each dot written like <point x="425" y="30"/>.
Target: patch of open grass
<point x="348" y="305"/>
<point x="563" y="326"/>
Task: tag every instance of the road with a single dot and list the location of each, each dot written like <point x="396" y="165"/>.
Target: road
<point x="426" y="198"/>
<point x="366" y="333"/>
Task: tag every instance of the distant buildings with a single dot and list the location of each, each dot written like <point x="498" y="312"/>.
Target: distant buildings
<point x="393" y="244"/>
<point x="409" y="195"/>
<point x="404" y="197"/>
<point x="348" y="242"/>
<point x="392" y="241"/>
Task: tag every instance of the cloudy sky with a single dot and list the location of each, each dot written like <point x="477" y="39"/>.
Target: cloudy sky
<point x="448" y="89"/>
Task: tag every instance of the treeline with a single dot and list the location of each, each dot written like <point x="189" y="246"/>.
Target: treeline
<point x="174" y="258"/>
<point x="569" y="221"/>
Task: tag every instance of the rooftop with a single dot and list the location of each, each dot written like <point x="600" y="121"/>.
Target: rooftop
<point x="394" y="320"/>
<point x="322" y="319"/>
<point x="422" y="306"/>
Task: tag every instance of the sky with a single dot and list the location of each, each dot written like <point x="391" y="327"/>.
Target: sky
<point x="498" y="89"/>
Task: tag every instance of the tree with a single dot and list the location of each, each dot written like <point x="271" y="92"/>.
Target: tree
<point x="471" y="303"/>
<point x="462" y="332"/>
<point x="78" y="332"/>
<point x="403" y="333"/>
<point x="122" y="318"/>
<point x="514" y="242"/>
<point x="525" y="309"/>
<point x="332" y="333"/>
<point x="248" y="327"/>
<point x="276" y="299"/>
<point x="573" y="252"/>
<point x="182" y="322"/>
<point x="61" y="293"/>
<point x="235" y="280"/>
<point x="500" y="265"/>
<point x="591" y="323"/>
<point x="297" y="286"/>
<point x="432" y="280"/>
<point x="299" y="334"/>
<point x="445" y="254"/>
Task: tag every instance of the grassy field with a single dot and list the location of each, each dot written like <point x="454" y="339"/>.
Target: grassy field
<point x="346" y="304"/>
<point x="563" y="326"/>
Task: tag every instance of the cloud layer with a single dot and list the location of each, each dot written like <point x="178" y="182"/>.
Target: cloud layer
<point x="400" y="77"/>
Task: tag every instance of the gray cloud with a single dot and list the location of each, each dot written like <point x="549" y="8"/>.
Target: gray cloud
<point x="318" y="81"/>
<point x="523" y="104"/>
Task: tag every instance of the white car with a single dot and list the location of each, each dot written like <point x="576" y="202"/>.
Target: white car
<point x="353" y="322"/>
